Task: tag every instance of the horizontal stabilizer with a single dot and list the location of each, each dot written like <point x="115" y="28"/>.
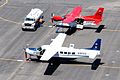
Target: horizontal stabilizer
<point x="99" y="29"/>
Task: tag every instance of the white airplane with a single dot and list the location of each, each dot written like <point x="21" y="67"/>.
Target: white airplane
<point x="55" y="49"/>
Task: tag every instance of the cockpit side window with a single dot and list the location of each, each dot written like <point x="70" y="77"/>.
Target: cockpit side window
<point x="42" y="52"/>
<point x="39" y="48"/>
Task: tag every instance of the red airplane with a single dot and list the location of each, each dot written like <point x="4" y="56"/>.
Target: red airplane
<point x="75" y="20"/>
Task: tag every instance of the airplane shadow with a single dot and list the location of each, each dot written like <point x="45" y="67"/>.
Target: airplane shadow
<point x="51" y="68"/>
<point x="96" y="64"/>
<point x="70" y="31"/>
<point x="89" y="28"/>
<point x="54" y="63"/>
<point x="98" y="29"/>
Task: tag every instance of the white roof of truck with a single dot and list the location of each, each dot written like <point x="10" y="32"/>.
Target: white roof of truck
<point x="34" y="13"/>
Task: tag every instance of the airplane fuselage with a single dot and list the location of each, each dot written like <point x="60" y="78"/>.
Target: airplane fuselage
<point x="67" y="52"/>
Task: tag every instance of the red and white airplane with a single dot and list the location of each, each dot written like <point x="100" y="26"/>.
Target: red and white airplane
<point x="75" y="20"/>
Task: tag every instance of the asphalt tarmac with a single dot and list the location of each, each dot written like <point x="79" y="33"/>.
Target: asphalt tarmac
<point x="13" y="40"/>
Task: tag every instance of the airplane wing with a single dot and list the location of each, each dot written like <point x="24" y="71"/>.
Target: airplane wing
<point x="50" y="52"/>
<point x="53" y="47"/>
<point x="72" y="16"/>
<point x="58" y="41"/>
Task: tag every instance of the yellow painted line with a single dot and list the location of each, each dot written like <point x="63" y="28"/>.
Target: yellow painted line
<point x="112" y="30"/>
<point x="113" y="67"/>
<point x="4" y="59"/>
<point x="6" y="1"/>
<point x="10" y="21"/>
<point x="102" y="66"/>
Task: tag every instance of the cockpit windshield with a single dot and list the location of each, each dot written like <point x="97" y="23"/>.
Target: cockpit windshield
<point x="29" y="19"/>
<point x="39" y="48"/>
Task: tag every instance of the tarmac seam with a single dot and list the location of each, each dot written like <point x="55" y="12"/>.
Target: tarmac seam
<point x="14" y="73"/>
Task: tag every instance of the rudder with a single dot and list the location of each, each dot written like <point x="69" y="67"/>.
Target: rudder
<point x="99" y="12"/>
<point x="97" y="45"/>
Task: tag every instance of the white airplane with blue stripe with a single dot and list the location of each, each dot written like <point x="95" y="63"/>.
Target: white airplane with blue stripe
<point x="55" y="49"/>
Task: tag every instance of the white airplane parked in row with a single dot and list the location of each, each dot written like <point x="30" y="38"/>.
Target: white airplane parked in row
<point x="55" y="49"/>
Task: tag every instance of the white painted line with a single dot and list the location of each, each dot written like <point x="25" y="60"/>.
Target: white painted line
<point x="50" y="26"/>
<point x="113" y="62"/>
<point x="107" y="74"/>
<point x="118" y="51"/>
<point x="20" y="60"/>
<point x="4" y="59"/>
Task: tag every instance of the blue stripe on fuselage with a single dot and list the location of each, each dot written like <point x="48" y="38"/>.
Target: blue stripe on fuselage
<point x="33" y="49"/>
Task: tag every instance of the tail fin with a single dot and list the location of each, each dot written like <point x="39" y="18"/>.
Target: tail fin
<point x="98" y="14"/>
<point x="96" y="45"/>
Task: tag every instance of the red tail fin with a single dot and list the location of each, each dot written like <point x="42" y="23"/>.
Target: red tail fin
<point x="98" y="14"/>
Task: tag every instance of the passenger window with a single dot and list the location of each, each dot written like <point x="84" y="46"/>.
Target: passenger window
<point x="61" y="52"/>
<point x="65" y="52"/>
<point x="69" y="52"/>
<point x="73" y="52"/>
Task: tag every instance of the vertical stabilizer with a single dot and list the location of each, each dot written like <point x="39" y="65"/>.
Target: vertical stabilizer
<point x="99" y="13"/>
<point x="96" y="45"/>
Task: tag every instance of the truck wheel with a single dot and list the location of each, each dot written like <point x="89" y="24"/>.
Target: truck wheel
<point x="34" y="29"/>
<point x="38" y="57"/>
<point x="23" y="29"/>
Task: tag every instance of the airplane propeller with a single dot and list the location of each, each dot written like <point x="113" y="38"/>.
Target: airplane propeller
<point x="52" y="14"/>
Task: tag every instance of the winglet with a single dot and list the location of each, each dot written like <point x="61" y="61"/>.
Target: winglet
<point x="98" y="14"/>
